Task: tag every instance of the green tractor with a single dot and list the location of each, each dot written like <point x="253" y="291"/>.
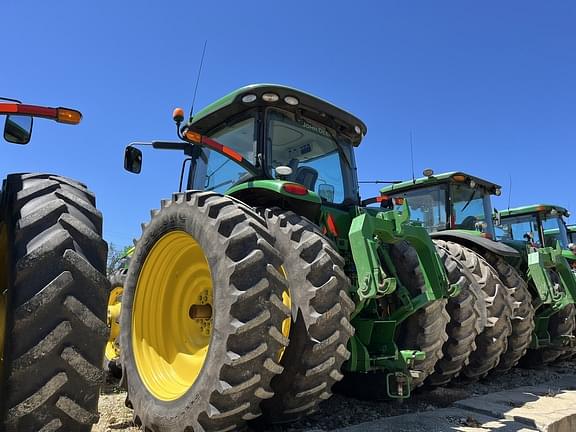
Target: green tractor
<point x="249" y="291"/>
<point x="52" y="292"/>
<point x="540" y="233"/>
<point x="456" y="208"/>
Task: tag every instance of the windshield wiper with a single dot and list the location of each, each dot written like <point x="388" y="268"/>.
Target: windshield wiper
<point x="340" y="147"/>
<point x="469" y="201"/>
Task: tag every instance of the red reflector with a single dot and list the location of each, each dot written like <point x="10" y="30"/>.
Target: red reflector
<point x="295" y="189"/>
<point x="486" y="235"/>
<point x="331" y="225"/>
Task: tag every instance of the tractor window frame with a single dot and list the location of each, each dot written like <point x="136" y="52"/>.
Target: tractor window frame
<point x="344" y="151"/>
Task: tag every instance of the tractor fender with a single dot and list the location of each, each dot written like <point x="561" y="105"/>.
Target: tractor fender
<point x="498" y="248"/>
<point x="271" y="193"/>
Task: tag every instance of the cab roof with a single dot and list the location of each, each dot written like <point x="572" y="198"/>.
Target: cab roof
<point x="571" y="228"/>
<point x="534" y="208"/>
<point x="230" y="105"/>
<point x="448" y="177"/>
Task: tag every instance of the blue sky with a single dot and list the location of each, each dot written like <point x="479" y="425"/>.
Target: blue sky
<point x="484" y="86"/>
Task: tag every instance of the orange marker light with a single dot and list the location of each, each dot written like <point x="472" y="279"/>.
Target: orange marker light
<point x="194" y="137"/>
<point x="68" y="116"/>
<point x="399" y="201"/>
<point x="459" y="178"/>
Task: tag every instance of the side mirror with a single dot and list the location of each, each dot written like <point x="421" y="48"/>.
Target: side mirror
<point x="18" y="129"/>
<point x="326" y="192"/>
<point x="133" y="160"/>
<point x="497" y="218"/>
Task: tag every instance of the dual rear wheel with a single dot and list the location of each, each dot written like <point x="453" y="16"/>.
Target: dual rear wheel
<point x="214" y="293"/>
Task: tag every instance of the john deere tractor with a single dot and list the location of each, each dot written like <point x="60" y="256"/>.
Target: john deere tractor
<point x="52" y="292"/>
<point x="250" y="289"/>
<point x="455" y="208"/>
<point x="540" y="233"/>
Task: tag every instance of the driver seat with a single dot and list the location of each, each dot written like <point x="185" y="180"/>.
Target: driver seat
<point x="306" y="176"/>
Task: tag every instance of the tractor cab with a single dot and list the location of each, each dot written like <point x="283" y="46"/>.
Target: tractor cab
<point x="539" y="225"/>
<point x="264" y="143"/>
<point x="449" y="201"/>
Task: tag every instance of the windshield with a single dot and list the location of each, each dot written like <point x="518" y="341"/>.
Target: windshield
<point x="427" y="206"/>
<point x="222" y="172"/>
<point x="471" y="208"/>
<point x="554" y="225"/>
<point x="312" y="153"/>
<point x="523" y="228"/>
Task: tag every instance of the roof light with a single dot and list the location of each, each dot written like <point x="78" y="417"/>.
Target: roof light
<point x="428" y="172"/>
<point x="497" y="191"/>
<point x="178" y="115"/>
<point x="459" y="177"/>
<point x="554" y="212"/>
<point x="358" y="129"/>
<point x="295" y="189"/>
<point x="291" y="100"/>
<point x="247" y="98"/>
<point x="270" y="97"/>
<point x="472" y="184"/>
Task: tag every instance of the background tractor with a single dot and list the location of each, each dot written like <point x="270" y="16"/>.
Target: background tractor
<point x="455" y="207"/>
<point x="52" y="292"/>
<point x="247" y="293"/>
<point x="116" y="277"/>
<point x="539" y="232"/>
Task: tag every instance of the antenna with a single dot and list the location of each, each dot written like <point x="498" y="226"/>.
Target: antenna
<point x="412" y="157"/>
<point x="198" y="78"/>
<point x="509" y="190"/>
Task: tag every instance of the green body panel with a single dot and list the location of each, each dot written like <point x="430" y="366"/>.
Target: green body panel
<point x="372" y="347"/>
<point x="275" y="186"/>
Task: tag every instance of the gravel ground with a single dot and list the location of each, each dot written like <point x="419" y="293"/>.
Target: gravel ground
<point x="341" y="410"/>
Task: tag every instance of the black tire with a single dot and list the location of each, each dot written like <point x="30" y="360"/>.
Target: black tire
<point x="492" y="342"/>
<point x="321" y="309"/>
<point x="247" y="316"/>
<point x="466" y="321"/>
<point x="56" y="304"/>
<point x="560" y="324"/>
<point x="112" y="363"/>
<point x="424" y="330"/>
<point x="523" y="318"/>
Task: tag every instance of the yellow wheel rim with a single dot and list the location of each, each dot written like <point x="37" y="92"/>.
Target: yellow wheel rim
<point x="287" y="323"/>
<point x="112" y="351"/>
<point x="3" y="288"/>
<point x="172" y="316"/>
